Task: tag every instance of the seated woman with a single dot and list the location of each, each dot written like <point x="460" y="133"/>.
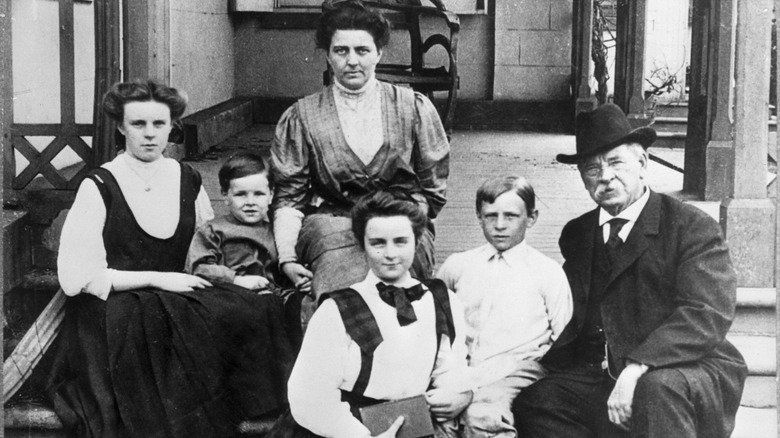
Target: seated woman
<point x="350" y="139"/>
<point x="379" y="339"/>
<point x="149" y="350"/>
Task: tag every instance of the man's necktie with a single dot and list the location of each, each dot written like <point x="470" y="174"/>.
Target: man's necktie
<point x="401" y="299"/>
<point x="614" y="241"/>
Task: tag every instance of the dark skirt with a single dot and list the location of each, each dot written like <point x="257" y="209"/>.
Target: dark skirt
<point x="149" y="363"/>
<point x="286" y="427"/>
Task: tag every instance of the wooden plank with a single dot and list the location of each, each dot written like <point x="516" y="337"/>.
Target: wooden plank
<point x="136" y="39"/>
<point x="6" y="99"/>
<point x="41" y="163"/>
<point x="107" y="41"/>
<point x="160" y="40"/>
<point x="20" y="364"/>
<point x="50" y="129"/>
<point x="147" y="39"/>
<point x="80" y="148"/>
<point x="46" y="169"/>
<point x="74" y="182"/>
<point x="67" y="64"/>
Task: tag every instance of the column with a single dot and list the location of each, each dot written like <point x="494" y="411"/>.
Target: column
<point x="147" y="40"/>
<point x="582" y="36"/>
<point x="107" y="59"/>
<point x="6" y="99"/>
<point x="709" y="143"/>
<point x="630" y="60"/>
<point x="747" y="215"/>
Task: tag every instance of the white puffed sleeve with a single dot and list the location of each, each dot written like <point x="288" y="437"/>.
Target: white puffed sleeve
<point x="81" y="262"/>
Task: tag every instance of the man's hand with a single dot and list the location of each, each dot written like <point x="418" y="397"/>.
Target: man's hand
<point x="251" y="282"/>
<point x="299" y="275"/>
<point x="447" y="405"/>
<point x="393" y="429"/>
<point x="622" y="397"/>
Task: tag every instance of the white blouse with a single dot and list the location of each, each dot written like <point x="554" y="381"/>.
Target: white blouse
<point x="360" y="115"/>
<point x="81" y="262"/>
<point x="329" y="361"/>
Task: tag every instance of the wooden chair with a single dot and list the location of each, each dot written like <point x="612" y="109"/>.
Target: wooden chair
<point x="406" y="15"/>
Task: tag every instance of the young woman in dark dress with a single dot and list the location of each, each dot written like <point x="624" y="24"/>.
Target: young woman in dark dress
<point x="147" y="349"/>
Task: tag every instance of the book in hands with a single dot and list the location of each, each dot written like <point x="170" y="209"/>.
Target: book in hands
<point x="417" y="417"/>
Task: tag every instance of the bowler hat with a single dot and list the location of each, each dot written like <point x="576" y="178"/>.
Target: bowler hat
<point x="602" y="129"/>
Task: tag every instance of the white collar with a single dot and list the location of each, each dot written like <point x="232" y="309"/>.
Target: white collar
<point x="363" y="91"/>
<point x="138" y="165"/>
<point x="631" y="213"/>
<point x="512" y="256"/>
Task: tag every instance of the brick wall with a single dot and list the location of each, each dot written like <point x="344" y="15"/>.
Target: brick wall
<point x="532" y="50"/>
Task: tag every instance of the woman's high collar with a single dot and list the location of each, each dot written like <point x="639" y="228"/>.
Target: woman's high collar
<point x="358" y="94"/>
<point x="143" y="166"/>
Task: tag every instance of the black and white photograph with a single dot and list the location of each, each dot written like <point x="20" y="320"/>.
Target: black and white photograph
<point x="390" y="218"/>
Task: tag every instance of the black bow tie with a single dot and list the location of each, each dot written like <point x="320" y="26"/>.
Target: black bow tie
<point x="401" y="298"/>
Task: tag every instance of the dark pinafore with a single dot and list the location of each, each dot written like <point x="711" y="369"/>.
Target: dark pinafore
<point x="151" y="363"/>
<point x="364" y="331"/>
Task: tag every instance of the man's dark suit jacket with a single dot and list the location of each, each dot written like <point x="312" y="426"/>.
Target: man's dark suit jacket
<point x="670" y="297"/>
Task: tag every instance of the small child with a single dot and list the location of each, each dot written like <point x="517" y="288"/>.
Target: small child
<point x="238" y="248"/>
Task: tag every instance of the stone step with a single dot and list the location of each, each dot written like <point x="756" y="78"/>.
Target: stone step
<point x="28" y="416"/>
<point x="17" y="258"/>
<point x="755" y="423"/>
<point x="759" y="353"/>
<point x="677" y="109"/>
<point x="677" y="125"/>
<point x="760" y="392"/>
<point x="756" y="313"/>
<point x="671" y="140"/>
<point x="31" y="420"/>
<point x="672" y="132"/>
<point x="211" y="126"/>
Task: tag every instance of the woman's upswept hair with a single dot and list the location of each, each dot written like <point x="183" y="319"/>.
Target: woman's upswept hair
<point x="350" y="15"/>
<point x="495" y="187"/>
<point x="240" y="165"/>
<point x="387" y="203"/>
<point x="121" y="93"/>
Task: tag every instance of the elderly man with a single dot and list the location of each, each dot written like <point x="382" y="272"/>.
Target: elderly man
<point x="645" y="353"/>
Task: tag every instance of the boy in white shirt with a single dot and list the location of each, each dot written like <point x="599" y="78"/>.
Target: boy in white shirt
<point x="517" y="301"/>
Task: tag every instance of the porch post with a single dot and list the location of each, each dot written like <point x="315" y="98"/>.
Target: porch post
<point x="630" y="60"/>
<point x="583" y="42"/>
<point x="147" y="40"/>
<point x="6" y="99"/>
<point x="777" y="238"/>
<point x="710" y="141"/>
<point x="747" y="214"/>
<point x="107" y="37"/>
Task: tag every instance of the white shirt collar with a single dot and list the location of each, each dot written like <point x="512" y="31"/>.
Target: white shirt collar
<point x="631" y="213"/>
<point x="512" y="256"/>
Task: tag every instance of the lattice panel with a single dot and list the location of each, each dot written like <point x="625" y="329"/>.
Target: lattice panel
<point x="40" y="163"/>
